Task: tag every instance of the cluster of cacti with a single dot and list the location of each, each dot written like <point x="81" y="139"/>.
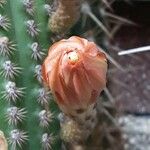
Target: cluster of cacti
<point x="28" y="117"/>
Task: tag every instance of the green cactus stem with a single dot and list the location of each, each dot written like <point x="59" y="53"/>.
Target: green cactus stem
<point x="25" y="108"/>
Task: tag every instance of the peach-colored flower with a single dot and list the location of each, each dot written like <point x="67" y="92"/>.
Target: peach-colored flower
<point x="75" y="70"/>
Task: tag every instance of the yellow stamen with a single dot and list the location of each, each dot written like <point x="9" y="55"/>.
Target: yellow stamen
<point x="73" y="56"/>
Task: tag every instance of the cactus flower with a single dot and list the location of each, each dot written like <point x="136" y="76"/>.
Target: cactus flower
<point x="75" y="71"/>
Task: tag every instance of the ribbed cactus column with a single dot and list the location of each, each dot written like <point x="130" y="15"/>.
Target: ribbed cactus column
<point x="24" y="103"/>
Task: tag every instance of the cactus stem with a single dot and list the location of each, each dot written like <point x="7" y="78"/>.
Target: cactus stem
<point x="17" y="138"/>
<point x="45" y="118"/>
<point x="9" y="70"/>
<point x="4" y="22"/>
<point x="15" y="115"/>
<point x="6" y="46"/>
<point x="36" y="52"/>
<point x="11" y="92"/>
<point x="16" y="10"/>
<point x="32" y="28"/>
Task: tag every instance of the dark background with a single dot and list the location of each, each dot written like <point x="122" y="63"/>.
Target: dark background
<point x="131" y="88"/>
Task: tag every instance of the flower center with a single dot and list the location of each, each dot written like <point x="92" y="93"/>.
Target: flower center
<point x="73" y="56"/>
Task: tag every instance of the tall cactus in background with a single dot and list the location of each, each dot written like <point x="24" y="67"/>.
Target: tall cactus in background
<point x="28" y="116"/>
<point x="25" y="116"/>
